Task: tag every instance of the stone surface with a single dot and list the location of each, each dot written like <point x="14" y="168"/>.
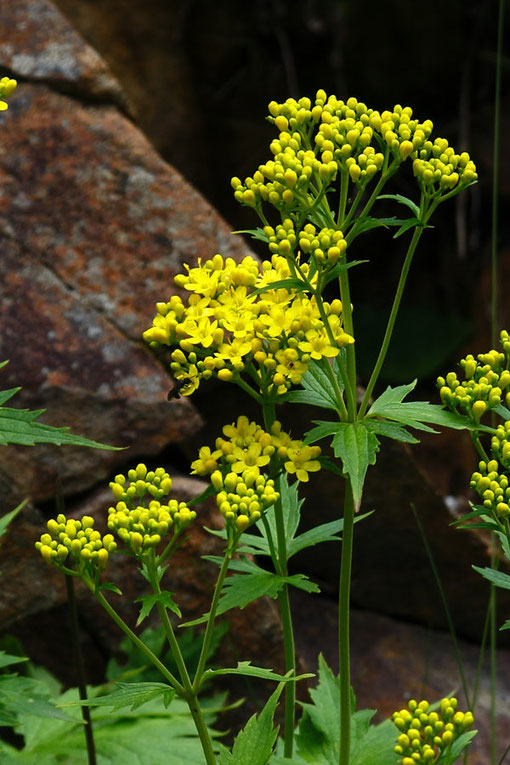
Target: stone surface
<point x="93" y="226"/>
<point x="38" y="44"/>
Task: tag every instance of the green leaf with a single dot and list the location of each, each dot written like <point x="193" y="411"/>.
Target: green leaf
<point x="291" y="510"/>
<point x="255" y="233"/>
<point x="318" y="740"/>
<point x="506" y="625"/>
<point x="357" y="447"/>
<point x="390" y="405"/>
<point x="337" y="270"/>
<point x="5" y="395"/>
<point x="282" y="284"/>
<point x="461" y="743"/>
<point x="110" y="587"/>
<point x="390" y="430"/>
<point x="496" y="577"/>
<point x="316" y="388"/>
<point x="241" y="589"/>
<point x="255" y="742"/>
<point x="152" y="735"/>
<point x="23" y="696"/>
<point x="324" y="429"/>
<point x="19" y="426"/>
<point x="373" y="744"/>
<point x="409" y="223"/>
<point x="6" y="519"/>
<point x="403" y="200"/>
<point x="6" y="659"/>
<point x="246" y="668"/>
<point x="149" y="601"/>
<point x="131" y="695"/>
<point x="367" y="224"/>
<point x="326" y="532"/>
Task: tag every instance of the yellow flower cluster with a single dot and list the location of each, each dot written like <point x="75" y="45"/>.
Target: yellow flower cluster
<point x="486" y="378"/>
<point x="139" y="519"/>
<point x="316" y="142"/>
<point x="228" y="328"/>
<point x="325" y="246"/>
<point x="76" y="538"/>
<point x="7" y="87"/>
<point x="242" y="499"/>
<point x="248" y="448"/>
<point x="492" y="487"/>
<point x="426" y="735"/>
<point x="439" y="169"/>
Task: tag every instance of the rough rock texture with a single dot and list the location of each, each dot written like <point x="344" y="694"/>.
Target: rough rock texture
<point x="93" y="226"/>
<point x="61" y="58"/>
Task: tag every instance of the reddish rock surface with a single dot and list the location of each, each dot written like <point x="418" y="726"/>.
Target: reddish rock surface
<point x="93" y="226"/>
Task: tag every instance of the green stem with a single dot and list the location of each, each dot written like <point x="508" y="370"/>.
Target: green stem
<point x="180" y="689"/>
<point x="345" y="296"/>
<point x="119" y="621"/>
<point x="344" y="188"/>
<point x="289" y="650"/>
<point x="212" y="615"/>
<point x="190" y="692"/>
<point x="80" y="671"/>
<point x="343" y="626"/>
<point x="391" y="321"/>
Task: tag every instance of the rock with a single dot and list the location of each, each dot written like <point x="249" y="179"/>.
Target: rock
<point x="38" y="44"/>
<point x="93" y="226"/>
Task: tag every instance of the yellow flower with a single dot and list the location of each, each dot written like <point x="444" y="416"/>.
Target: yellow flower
<point x="317" y="344"/>
<point x="207" y="461"/>
<point x="302" y="461"/>
<point x="251" y="458"/>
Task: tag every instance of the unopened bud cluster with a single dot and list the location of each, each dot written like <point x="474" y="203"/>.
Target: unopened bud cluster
<point x="242" y="499"/>
<point x="492" y="487"/>
<point x="139" y="518"/>
<point x="7" y="87"/>
<point x="227" y="330"/>
<point x="318" y="142"/>
<point x="425" y="735"/>
<point x="75" y="540"/>
<point x="486" y="382"/>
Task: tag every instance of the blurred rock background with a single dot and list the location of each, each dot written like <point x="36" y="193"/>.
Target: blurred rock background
<point x="117" y="152"/>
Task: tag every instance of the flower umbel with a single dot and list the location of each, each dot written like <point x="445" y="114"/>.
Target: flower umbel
<point x="425" y="735"/>
<point x="75" y="541"/>
<point x="139" y="518"/>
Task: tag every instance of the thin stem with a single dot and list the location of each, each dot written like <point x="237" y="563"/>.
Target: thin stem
<point x="494" y="327"/>
<point x="289" y="650"/>
<point x="80" y="672"/>
<point x="343" y="626"/>
<point x="345" y="295"/>
<point x="139" y="643"/>
<point x="212" y="615"/>
<point x="492" y="642"/>
<point x="391" y="321"/>
<point x="344" y="188"/>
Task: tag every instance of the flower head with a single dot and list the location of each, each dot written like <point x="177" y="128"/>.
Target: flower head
<point x="75" y="542"/>
<point x="424" y="734"/>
